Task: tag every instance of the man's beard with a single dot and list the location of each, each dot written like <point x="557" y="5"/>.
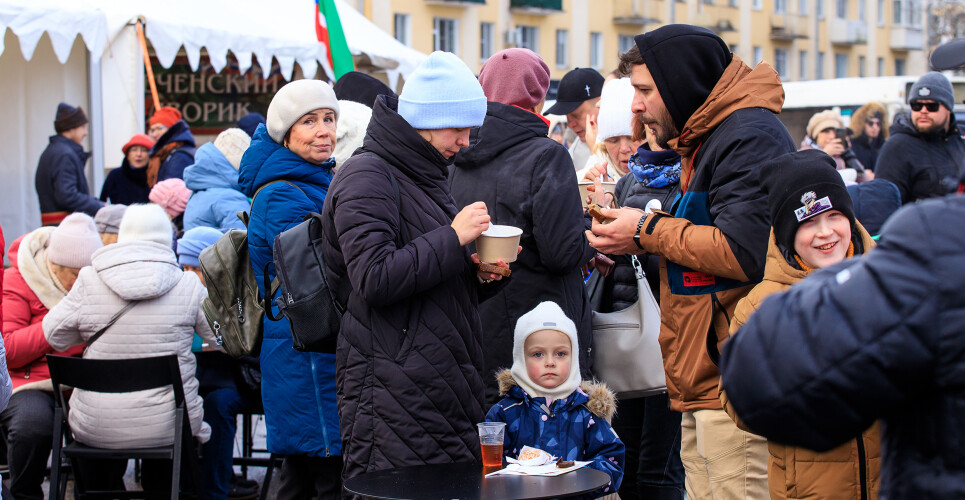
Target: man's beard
<point x="665" y="131"/>
<point x="931" y="129"/>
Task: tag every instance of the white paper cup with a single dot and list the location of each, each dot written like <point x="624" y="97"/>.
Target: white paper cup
<point x="608" y="187"/>
<point x="498" y="242"/>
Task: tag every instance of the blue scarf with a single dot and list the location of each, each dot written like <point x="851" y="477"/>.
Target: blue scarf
<point x="655" y="169"/>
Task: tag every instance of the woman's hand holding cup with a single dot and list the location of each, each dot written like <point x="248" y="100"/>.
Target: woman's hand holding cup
<point x="470" y="222"/>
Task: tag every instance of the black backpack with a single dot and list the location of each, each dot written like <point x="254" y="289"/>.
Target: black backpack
<point x="306" y="297"/>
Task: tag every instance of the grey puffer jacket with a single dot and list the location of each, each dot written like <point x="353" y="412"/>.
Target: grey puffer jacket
<point x="163" y="322"/>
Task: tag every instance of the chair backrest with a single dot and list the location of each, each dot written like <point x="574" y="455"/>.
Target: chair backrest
<point x="117" y="375"/>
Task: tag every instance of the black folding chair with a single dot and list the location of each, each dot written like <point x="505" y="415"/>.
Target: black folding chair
<point x="119" y="376"/>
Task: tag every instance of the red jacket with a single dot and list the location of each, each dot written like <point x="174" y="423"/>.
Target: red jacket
<point x="23" y="335"/>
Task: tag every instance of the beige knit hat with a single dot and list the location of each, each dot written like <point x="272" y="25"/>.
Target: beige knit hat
<point x="74" y="241"/>
<point x="233" y="143"/>
<point x="820" y="121"/>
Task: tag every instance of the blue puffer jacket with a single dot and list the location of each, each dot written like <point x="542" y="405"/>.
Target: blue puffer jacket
<point x="575" y="428"/>
<point x="298" y="389"/>
<point x="217" y="197"/>
<point x="878" y="337"/>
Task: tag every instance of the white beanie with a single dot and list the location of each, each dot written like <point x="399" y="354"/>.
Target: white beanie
<point x="73" y="242"/>
<point x="442" y="93"/>
<point x="352" y="123"/>
<point x="233" y="143"/>
<point x="615" y="118"/>
<point x="293" y="101"/>
<point x="146" y="223"/>
<point x="545" y="316"/>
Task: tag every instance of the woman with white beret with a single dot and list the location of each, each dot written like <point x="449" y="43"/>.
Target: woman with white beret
<point x="298" y="388"/>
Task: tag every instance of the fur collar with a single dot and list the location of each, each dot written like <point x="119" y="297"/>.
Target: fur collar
<point x="602" y="401"/>
<point x="32" y="264"/>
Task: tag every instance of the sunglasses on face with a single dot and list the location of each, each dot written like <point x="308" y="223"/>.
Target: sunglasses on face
<point x="932" y="107"/>
<point x="873" y="123"/>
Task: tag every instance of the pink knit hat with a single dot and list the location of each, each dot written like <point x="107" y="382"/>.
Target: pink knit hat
<point x="74" y="241"/>
<point x="518" y="77"/>
<point x="172" y="195"/>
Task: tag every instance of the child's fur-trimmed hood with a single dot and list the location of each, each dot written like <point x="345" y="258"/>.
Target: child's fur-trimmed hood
<point x="602" y="401"/>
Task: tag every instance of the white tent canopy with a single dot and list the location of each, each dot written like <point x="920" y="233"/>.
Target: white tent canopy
<point x="283" y="29"/>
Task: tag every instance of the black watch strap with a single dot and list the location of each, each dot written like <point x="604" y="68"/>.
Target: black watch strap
<point x="636" y="236"/>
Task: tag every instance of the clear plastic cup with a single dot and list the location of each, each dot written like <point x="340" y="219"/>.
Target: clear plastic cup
<point x="491" y="435"/>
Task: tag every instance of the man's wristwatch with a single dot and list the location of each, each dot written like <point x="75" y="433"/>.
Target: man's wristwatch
<point x="636" y="236"/>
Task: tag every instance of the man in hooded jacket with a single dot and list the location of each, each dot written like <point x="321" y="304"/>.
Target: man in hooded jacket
<point x="702" y="101"/>
<point x="526" y="180"/>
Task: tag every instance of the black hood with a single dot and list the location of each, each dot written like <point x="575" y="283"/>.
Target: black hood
<point x="686" y="62"/>
<point x="395" y="141"/>
<point x="505" y="127"/>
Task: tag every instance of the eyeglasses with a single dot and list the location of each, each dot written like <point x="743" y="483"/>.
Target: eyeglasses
<point x="932" y="107"/>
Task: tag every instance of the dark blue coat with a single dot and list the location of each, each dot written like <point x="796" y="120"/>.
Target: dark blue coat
<point x="179" y="159"/>
<point x="60" y="181"/>
<point x="566" y="429"/>
<point x="126" y="185"/>
<point x="297" y="388"/>
<point x="921" y="165"/>
<point x="880" y="337"/>
<point x="216" y="198"/>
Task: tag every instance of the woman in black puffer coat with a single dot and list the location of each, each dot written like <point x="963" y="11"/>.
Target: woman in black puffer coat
<point x="409" y="356"/>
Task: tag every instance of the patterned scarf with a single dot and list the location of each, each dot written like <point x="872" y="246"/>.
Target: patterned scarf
<point x="655" y="169"/>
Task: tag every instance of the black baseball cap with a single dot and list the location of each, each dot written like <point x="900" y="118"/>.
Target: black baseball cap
<point x="576" y="87"/>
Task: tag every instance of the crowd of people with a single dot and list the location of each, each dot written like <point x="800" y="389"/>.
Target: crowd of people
<point x="845" y="386"/>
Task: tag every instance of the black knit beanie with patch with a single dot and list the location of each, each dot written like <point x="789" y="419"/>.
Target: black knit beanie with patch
<point x="68" y="117"/>
<point x="686" y="62"/>
<point x="799" y="186"/>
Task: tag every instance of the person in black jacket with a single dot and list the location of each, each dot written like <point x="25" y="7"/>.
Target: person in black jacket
<point x="127" y="184"/>
<point x="174" y="149"/>
<point x="719" y="115"/>
<point x="873" y="338"/>
<point x="869" y="132"/>
<point x="409" y="358"/>
<point x="925" y="155"/>
<point x="60" y="180"/>
<point x="526" y="180"/>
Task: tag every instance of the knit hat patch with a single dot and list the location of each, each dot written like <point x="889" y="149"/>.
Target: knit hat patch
<point x="68" y="117"/>
<point x="73" y="242"/>
<point x="442" y="93"/>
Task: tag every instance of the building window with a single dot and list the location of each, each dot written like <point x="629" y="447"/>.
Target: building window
<point x="861" y="8"/>
<point x="529" y="38"/>
<point x="819" y="64"/>
<point x="899" y="67"/>
<point x="881" y="12"/>
<point x="881" y="66"/>
<point x="803" y="56"/>
<point x="913" y="17"/>
<point x="596" y="50"/>
<point x="820" y="4"/>
<point x="896" y="9"/>
<point x="802" y="7"/>
<point x="780" y="6"/>
<point x="709" y="2"/>
<point x="562" y="49"/>
<point x="861" y="62"/>
<point x="841" y="10"/>
<point x="403" y="33"/>
<point x="445" y="34"/>
<point x="758" y="54"/>
<point x="732" y="3"/>
<point x="758" y="4"/>
<point x="780" y="63"/>
<point x="625" y="43"/>
<point x="485" y="40"/>
<point x="841" y="65"/>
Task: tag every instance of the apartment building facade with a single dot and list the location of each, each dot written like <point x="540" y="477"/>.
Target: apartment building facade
<point x="802" y="39"/>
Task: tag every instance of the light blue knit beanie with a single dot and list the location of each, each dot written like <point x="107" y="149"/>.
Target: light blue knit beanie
<point x="442" y="93"/>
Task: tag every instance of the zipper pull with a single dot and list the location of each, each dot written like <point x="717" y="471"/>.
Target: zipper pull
<point x="290" y="299"/>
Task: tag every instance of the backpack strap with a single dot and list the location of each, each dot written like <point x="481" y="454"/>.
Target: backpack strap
<point x="93" y="338"/>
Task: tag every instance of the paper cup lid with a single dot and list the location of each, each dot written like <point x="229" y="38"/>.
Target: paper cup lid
<point x="497" y="231"/>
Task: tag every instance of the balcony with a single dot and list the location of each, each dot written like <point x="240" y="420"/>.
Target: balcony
<point x="789" y="27"/>
<point x="633" y="13"/>
<point x="906" y="38"/>
<point x="539" y="7"/>
<point x="457" y="3"/>
<point x="845" y="32"/>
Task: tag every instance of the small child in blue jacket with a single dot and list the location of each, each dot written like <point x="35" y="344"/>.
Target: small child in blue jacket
<point x="546" y="406"/>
